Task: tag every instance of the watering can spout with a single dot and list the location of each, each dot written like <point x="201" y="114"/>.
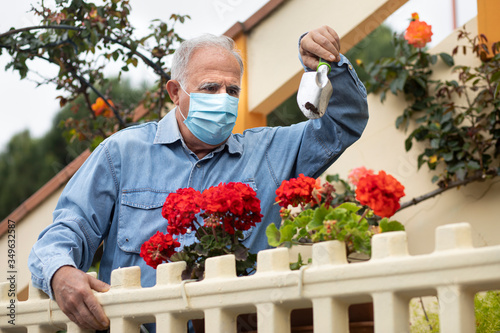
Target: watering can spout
<point x="314" y="92"/>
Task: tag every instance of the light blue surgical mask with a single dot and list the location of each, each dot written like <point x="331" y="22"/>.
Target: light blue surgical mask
<point x="211" y="117"/>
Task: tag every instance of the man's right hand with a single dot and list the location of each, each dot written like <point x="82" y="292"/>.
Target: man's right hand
<point x="72" y="290"/>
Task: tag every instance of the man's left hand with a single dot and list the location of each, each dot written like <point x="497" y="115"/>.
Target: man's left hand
<point x="320" y="43"/>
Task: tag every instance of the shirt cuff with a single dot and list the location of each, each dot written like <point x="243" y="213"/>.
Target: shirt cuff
<point x="48" y="273"/>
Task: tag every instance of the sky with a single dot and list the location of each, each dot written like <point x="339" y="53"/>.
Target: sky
<point x="28" y="106"/>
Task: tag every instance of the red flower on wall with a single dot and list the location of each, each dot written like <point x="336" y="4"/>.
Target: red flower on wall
<point x="418" y="32"/>
<point x="381" y="193"/>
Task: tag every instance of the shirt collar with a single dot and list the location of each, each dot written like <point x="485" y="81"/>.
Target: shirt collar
<point x="168" y="132"/>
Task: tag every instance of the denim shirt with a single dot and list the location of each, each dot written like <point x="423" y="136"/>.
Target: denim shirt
<point x="117" y="195"/>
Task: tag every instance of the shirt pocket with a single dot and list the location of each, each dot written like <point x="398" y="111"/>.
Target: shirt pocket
<point x="140" y="218"/>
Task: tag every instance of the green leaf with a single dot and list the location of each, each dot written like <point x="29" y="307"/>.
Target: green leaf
<point x="287" y="233"/>
<point x="318" y="218"/>
<point x="408" y="143"/>
<point x="350" y="206"/>
<point x="304" y="218"/>
<point x="386" y="225"/>
<point x="273" y="235"/>
<point x="473" y="165"/>
<point x="495" y="76"/>
<point x="497" y="89"/>
<point x="448" y="59"/>
<point x="241" y="252"/>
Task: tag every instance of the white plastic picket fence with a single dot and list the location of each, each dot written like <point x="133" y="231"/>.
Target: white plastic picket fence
<point x="454" y="272"/>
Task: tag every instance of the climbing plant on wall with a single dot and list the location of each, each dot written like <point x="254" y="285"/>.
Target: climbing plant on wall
<point x="458" y="120"/>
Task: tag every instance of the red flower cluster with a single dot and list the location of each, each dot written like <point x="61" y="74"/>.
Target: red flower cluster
<point x="381" y="193"/>
<point x="418" y="32"/>
<point x="180" y="209"/>
<point x="296" y="191"/>
<point x="158" y="248"/>
<point x="234" y="205"/>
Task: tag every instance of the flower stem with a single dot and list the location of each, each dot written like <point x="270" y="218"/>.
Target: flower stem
<point x="200" y="227"/>
<point x="363" y="216"/>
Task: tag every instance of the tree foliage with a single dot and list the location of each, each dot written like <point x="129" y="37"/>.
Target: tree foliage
<point x="82" y="39"/>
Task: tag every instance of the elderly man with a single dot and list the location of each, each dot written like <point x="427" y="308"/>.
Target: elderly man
<point x="117" y="195"/>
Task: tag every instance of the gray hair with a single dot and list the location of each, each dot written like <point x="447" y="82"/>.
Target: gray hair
<point x="186" y="49"/>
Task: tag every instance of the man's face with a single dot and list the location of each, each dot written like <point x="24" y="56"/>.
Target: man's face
<point x="210" y="71"/>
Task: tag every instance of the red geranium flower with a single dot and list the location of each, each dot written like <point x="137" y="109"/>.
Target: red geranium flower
<point x="158" y="248"/>
<point x="233" y="205"/>
<point x="296" y="191"/>
<point x="418" y="32"/>
<point x="381" y="193"/>
<point x="180" y="209"/>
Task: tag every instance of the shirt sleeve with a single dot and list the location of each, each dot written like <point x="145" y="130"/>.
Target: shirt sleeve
<point x="80" y="221"/>
<point x="312" y="146"/>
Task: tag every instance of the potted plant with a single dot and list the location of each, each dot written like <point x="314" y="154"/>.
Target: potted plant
<point x="315" y="212"/>
<point x="218" y="216"/>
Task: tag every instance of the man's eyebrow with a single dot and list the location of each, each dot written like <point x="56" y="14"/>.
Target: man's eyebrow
<point x="209" y="85"/>
<point x="235" y="87"/>
<point x="217" y="85"/>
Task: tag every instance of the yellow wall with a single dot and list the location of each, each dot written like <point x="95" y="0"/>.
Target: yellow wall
<point x="487" y="15"/>
<point x="245" y="119"/>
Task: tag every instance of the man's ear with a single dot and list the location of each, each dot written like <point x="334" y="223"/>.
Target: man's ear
<point x="173" y="88"/>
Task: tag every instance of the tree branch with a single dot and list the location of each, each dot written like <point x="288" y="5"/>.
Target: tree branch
<point x="145" y="59"/>
<point x="480" y="176"/>
<point x="36" y="27"/>
<point x="87" y="83"/>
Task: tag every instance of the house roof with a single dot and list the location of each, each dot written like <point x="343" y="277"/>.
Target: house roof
<point x="65" y="174"/>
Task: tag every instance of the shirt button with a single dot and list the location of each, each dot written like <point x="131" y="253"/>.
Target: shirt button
<point x="198" y="166"/>
<point x="350" y="66"/>
<point x="188" y="230"/>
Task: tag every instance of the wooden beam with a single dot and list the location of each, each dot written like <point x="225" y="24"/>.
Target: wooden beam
<point x="245" y="119"/>
<point x="487" y="20"/>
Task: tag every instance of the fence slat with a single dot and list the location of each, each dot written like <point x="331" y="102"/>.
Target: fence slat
<point x="330" y="316"/>
<point x="169" y="323"/>
<point x="272" y="318"/>
<point x="219" y="321"/>
<point x="456" y="310"/>
<point x="391" y="313"/>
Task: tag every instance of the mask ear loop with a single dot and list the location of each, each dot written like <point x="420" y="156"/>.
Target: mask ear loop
<point x="178" y="107"/>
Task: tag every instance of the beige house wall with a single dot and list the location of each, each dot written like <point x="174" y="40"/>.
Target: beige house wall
<point x="26" y="235"/>
<point x="381" y="147"/>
